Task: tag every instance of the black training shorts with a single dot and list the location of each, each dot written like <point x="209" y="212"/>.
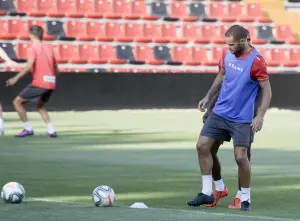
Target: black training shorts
<point x="32" y="93"/>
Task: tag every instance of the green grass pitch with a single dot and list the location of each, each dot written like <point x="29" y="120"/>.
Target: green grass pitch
<point x="145" y="156"/>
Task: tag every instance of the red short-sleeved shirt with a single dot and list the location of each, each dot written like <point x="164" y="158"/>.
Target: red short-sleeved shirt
<point x="259" y="67"/>
<point x="43" y="72"/>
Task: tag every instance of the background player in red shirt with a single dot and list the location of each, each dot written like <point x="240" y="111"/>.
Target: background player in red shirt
<point x="8" y="61"/>
<point x="41" y="62"/>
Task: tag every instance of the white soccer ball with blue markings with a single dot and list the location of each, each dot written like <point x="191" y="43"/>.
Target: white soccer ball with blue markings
<point x="103" y="196"/>
<point x="13" y="192"/>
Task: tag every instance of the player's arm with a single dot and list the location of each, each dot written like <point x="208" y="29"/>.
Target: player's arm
<point x="259" y="73"/>
<point x="26" y="70"/>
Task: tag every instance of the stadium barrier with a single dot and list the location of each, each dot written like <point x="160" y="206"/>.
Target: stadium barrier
<point x="98" y="91"/>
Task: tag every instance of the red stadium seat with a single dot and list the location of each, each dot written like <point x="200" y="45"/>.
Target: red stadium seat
<point x="168" y="32"/>
<point x="220" y="36"/>
<point x="111" y="32"/>
<point x="278" y="55"/>
<point x="95" y="8"/>
<point x="206" y="33"/>
<point x="149" y="33"/>
<point x="144" y="53"/>
<point x="178" y="9"/>
<point x="12" y="29"/>
<point x="294" y="55"/>
<point x="197" y="56"/>
<point x="118" y="8"/>
<point x="189" y="32"/>
<point x="233" y="12"/>
<point x="30" y="7"/>
<point x="59" y="56"/>
<point x="266" y="55"/>
<point x="129" y="32"/>
<point x="179" y="53"/>
<point x="253" y="10"/>
<point x="285" y="33"/>
<point x="216" y="55"/>
<point x="91" y="53"/>
<point x="66" y="8"/>
<point x="109" y="52"/>
<point x="40" y="23"/>
<point x="217" y="10"/>
<point x="71" y="53"/>
<point x="21" y="50"/>
<point x="78" y="30"/>
<point x="139" y="8"/>
<point x="97" y="31"/>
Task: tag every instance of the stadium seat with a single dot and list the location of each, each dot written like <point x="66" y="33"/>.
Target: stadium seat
<point x="109" y="52"/>
<point x="196" y="56"/>
<point x="30" y="7"/>
<point x="265" y="32"/>
<point x="294" y="55"/>
<point x="58" y="55"/>
<point x="285" y="33"/>
<point x="150" y="31"/>
<point x="143" y="53"/>
<point x="6" y="7"/>
<point x="55" y="28"/>
<point x="71" y="53"/>
<point x="124" y="52"/>
<point x="92" y="54"/>
<point x="216" y="54"/>
<point x="96" y="30"/>
<point x="179" y="53"/>
<point x="206" y="33"/>
<point x="118" y="8"/>
<point x="254" y="39"/>
<point x="139" y="10"/>
<point x="217" y="10"/>
<point x="159" y="9"/>
<point x="198" y="10"/>
<point x="253" y="10"/>
<point x="178" y="9"/>
<point x="40" y="23"/>
<point x="94" y="8"/>
<point x="66" y="8"/>
<point x="12" y="29"/>
<point x="278" y="55"/>
<point x="169" y="32"/>
<point x="219" y="35"/>
<point x="21" y="50"/>
<point x="111" y="31"/>
<point x="163" y="53"/>
<point x="266" y="55"/>
<point x="129" y="32"/>
<point x="78" y="30"/>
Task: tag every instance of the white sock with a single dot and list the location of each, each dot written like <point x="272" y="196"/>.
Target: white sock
<point x="245" y="194"/>
<point x="207" y="184"/>
<point x="50" y="128"/>
<point x="238" y="194"/>
<point x="220" y="186"/>
<point x="1" y="122"/>
<point x="27" y="126"/>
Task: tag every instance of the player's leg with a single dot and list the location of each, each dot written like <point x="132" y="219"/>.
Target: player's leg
<point x="236" y="201"/>
<point x="1" y="121"/>
<point x="207" y="139"/>
<point x="40" y="106"/>
<point x="221" y="190"/>
<point x="242" y="139"/>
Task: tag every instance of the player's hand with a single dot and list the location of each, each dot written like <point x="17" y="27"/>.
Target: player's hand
<point x="257" y="123"/>
<point x="11" y="82"/>
<point x="203" y="104"/>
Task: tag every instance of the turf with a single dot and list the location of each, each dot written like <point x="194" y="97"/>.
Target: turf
<point x="146" y="156"/>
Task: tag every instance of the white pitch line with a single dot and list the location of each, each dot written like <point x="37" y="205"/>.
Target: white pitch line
<point x="177" y="210"/>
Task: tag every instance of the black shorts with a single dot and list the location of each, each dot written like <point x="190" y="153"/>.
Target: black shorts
<point x="32" y="93"/>
<point x="220" y="129"/>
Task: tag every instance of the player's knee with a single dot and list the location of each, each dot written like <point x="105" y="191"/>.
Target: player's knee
<point x="17" y="101"/>
<point x="241" y="159"/>
<point x="203" y="147"/>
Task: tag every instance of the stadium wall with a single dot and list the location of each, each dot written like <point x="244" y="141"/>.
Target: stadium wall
<point x="96" y="91"/>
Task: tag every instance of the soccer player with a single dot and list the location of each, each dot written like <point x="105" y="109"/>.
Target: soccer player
<point x="42" y="62"/>
<point x="233" y="115"/>
<point x="7" y="59"/>
<point x="220" y="188"/>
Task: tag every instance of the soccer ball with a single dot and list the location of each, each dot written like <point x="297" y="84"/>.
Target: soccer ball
<point x="12" y="192"/>
<point x="103" y="196"/>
